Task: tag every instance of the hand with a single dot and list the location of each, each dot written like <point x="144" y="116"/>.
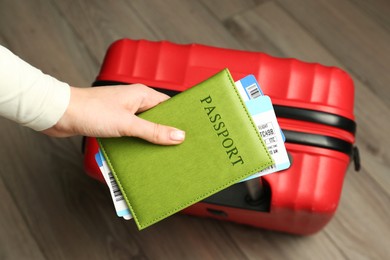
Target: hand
<point x="110" y="112"/>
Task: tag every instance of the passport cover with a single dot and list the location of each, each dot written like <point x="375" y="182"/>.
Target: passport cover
<point x="222" y="147"/>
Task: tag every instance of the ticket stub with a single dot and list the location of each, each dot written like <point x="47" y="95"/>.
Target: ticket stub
<point x="249" y="88"/>
<point x="264" y="117"/>
<point x="262" y="112"/>
<point x="119" y="203"/>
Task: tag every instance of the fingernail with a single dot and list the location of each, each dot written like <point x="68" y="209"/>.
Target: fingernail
<point x="177" y="135"/>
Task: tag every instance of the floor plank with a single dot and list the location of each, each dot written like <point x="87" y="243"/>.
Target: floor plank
<point x="45" y="41"/>
<point x="186" y="237"/>
<point x="286" y="38"/>
<point x="66" y="212"/>
<point x="361" y="225"/>
<point x="57" y="212"/>
<point x="348" y="32"/>
<point x="261" y="244"/>
<point x="291" y="40"/>
<point x="137" y="20"/>
<point x="378" y="10"/>
<point x="225" y="9"/>
<point x="184" y="26"/>
<point x="93" y="23"/>
<point x="16" y="240"/>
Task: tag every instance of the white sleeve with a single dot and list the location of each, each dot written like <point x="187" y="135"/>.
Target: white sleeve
<point x="29" y="97"/>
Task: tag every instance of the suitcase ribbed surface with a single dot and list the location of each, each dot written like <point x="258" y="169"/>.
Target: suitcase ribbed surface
<point x="303" y="198"/>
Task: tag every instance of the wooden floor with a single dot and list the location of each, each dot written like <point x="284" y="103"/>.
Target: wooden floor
<point x="49" y="209"/>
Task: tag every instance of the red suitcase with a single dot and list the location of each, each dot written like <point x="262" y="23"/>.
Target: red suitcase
<point x="314" y="105"/>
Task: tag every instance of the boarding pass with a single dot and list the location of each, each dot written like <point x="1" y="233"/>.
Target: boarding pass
<point x="119" y="203"/>
<point x="263" y="114"/>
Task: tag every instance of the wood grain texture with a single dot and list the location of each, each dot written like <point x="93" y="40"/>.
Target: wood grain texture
<point x="51" y="210"/>
<point x="184" y="22"/>
<point x="348" y="32"/>
<point x="378" y="10"/>
<point x="16" y="240"/>
<point x="35" y="31"/>
<point x="291" y="40"/>
<point x="99" y="23"/>
<point x="224" y="9"/>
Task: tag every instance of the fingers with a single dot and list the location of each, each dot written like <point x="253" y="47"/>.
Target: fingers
<point x="116" y="108"/>
<point x="149" y="131"/>
<point x="156" y="133"/>
<point x="150" y="98"/>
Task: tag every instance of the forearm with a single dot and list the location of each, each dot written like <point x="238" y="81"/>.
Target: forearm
<point x="29" y="97"/>
<point x="39" y="101"/>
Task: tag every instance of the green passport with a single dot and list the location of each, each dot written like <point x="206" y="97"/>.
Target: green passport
<point x="222" y="147"/>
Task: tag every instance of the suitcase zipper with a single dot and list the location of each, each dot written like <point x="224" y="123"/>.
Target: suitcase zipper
<point x="315" y="116"/>
<point x="301" y="114"/>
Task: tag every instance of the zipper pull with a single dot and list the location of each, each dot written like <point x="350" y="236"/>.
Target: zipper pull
<point x="356" y="158"/>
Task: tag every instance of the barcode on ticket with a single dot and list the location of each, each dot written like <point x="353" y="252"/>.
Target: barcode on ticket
<point x="115" y="189"/>
<point x="253" y="91"/>
<point x="120" y="205"/>
<point x="272" y="167"/>
<point x="261" y="109"/>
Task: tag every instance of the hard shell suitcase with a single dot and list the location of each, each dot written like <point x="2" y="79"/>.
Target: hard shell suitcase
<point x="314" y="105"/>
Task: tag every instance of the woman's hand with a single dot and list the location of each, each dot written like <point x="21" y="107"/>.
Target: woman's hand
<point x="111" y="112"/>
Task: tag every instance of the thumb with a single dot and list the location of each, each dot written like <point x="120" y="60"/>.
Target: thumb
<point x="156" y="133"/>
